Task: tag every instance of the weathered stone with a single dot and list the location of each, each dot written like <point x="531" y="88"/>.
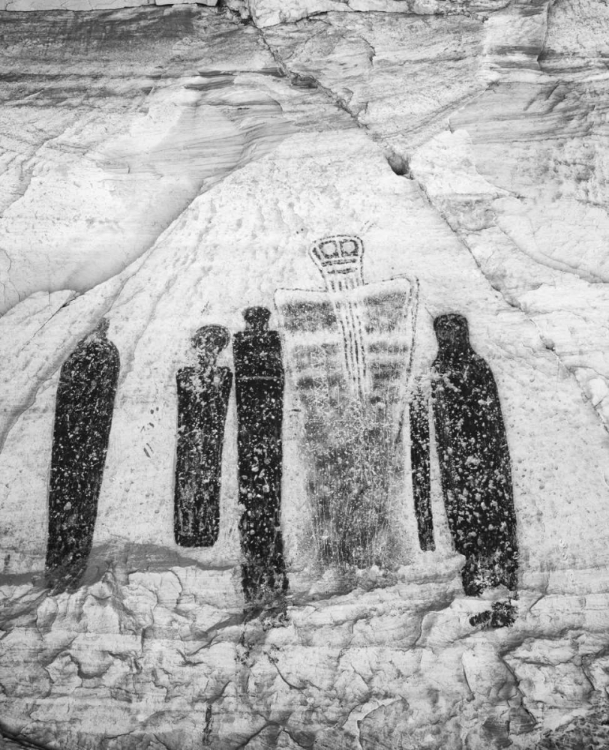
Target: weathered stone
<point x="167" y="169"/>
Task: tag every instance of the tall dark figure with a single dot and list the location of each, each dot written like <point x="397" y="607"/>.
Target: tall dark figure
<point x="474" y="463"/>
<point x="203" y="393"/>
<point x="83" y="417"/>
<point x="260" y="381"/>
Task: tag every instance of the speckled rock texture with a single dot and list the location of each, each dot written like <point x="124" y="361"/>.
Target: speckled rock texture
<point x="164" y="170"/>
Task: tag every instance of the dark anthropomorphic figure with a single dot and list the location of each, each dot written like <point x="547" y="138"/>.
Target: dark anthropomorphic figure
<point x="259" y="379"/>
<point x="474" y="465"/>
<point x="83" y="418"/>
<point x="203" y="394"/>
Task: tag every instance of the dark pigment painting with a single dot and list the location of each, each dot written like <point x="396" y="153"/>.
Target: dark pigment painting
<point x="259" y="380"/>
<point x="83" y="418"/>
<point x="420" y="467"/>
<point x="203" y="393"/>
<point x="475" y="466"/>
<point x="350" y="350"/>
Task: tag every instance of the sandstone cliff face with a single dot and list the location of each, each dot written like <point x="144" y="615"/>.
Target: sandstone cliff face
<point x="169" y="167"/>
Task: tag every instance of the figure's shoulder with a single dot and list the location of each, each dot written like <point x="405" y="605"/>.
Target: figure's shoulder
<point x="481" y="365"/>
<point x="84" y="356"/>
<point x="111" y="352"/>
<point x="275" y="340"/>
<point x="185" y="374"/>
<point x="439" y="369"/>
<point x="112" y="347"/>
<point x="481" y="375"/>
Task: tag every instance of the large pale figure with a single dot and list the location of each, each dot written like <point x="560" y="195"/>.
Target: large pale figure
<point x="349" y="351"/>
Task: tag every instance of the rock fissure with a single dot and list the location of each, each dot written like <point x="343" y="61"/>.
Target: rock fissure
<point x="20" y="741"/>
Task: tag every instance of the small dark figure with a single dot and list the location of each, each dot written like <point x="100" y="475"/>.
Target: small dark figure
<point x="259" y="382"/>
<point x="474" y="462"/>
<point x="83" y="418"/>
<point x="419" y="461"/>
<point x="202" y="405"/>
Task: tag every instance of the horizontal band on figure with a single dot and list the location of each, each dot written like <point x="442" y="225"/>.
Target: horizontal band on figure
<point x="335" y="263"/>
<point x="259" y="377"/>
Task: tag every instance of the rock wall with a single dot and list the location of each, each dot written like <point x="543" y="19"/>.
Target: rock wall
<point x="165" y="170"/>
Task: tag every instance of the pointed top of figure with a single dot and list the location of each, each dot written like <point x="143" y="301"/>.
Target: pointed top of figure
<point x="209" y="341"/>
<point x="256" y="318"/>
<point x="102" y="327"/>
<point x="452" y="332"/>
<point x="99" y="333"/>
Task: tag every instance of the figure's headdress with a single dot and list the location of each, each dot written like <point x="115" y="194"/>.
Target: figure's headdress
<point x="257" y="317"/>
<point x="211" y="337"/>
<point x="339" y="259"/>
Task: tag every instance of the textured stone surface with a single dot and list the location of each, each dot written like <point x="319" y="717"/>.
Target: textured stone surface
<point x="167" y="168"/>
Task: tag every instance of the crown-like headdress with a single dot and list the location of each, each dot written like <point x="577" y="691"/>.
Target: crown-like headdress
<point x="339" y="259"/>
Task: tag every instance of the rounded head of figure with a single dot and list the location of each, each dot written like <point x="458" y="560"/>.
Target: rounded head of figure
<point x="209" y="342"/>
<point x="452" y="333"/>
<point x="256" y="318"/>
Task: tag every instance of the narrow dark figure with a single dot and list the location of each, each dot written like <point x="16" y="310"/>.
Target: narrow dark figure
<point x="83" y="417"/>
<point x="260" y="381"/>
<point x="419" y="461"/>
<point x="203" y="393"/>
<point x="474" y="465"/>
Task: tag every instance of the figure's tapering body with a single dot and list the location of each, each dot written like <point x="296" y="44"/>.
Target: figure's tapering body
<point x="259" y="381"/>
<point x="83" y="418"/>
<point x="474" y="460"/>
<point x="203" y="394"/>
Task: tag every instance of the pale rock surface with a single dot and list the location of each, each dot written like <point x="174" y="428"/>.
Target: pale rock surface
<point x="84" y="5"/>
<point x="167" y="168"/>
<point x="168" y="119"/>
<point x="266" y="13"/>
